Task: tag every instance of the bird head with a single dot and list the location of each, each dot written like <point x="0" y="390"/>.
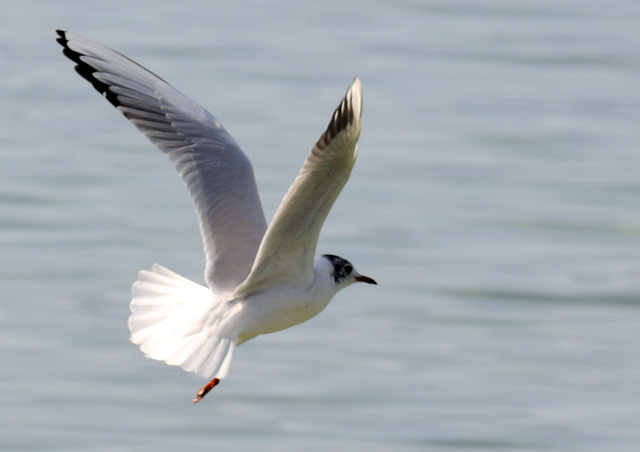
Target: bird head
<point x="343" y="272"/>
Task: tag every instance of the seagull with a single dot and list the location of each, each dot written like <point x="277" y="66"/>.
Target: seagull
<point x="260" y="279"/>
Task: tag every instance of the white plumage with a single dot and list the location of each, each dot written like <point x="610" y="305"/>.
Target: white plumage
<point x="180" y="322"/>
<point x="260" y="280"/>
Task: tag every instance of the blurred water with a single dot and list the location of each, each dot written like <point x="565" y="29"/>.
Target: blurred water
<point x="496" y="200"/>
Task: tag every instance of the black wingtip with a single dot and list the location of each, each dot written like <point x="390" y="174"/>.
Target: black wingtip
<point x="341" y="119"/>
<point x="85" y="70"/>
<point x="62" y="38"/>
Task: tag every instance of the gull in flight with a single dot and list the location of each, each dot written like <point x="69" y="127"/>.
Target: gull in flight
<point x="260" y="279"/>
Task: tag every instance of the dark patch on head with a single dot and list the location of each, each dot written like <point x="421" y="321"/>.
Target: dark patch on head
<point x="342" y="268"/>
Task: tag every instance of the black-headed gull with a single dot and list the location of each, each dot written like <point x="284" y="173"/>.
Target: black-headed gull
<point x="261" y="279"/>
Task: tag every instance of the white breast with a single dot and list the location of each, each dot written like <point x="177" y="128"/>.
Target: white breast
<point x="285" y="306"/>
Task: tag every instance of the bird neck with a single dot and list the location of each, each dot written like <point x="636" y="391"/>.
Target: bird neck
<point x="323" y="278"/>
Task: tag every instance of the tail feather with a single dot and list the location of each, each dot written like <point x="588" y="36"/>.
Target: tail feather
<point x="174" y="320"/>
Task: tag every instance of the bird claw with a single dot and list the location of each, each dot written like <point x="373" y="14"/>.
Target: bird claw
<point x="205" y="389"/>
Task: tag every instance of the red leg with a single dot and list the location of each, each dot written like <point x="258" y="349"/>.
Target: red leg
<point x="205" y="389"/>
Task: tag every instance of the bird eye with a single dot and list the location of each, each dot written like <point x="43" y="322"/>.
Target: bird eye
<point x="348" y="269"/>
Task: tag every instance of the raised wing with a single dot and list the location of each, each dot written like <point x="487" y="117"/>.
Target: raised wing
<point x="217" y="173"/>
<point x="287" y="251"/>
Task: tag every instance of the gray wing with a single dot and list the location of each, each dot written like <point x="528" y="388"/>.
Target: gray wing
<point x="287" y="251"/>
<point x="217" y="173"/>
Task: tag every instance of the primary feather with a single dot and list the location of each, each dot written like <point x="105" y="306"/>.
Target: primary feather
<point x="217" y="173"/>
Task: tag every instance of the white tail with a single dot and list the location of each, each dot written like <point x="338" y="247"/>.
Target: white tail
<point x="174" y="320"/>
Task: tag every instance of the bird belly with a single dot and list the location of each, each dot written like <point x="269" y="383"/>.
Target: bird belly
<point x="275" y="310"/>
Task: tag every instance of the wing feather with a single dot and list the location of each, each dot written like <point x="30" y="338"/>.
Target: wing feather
<point x="287" y="251"/>
<point x="217" y="173"/>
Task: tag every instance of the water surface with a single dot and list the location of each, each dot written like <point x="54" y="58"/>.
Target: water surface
<point x="496" y="200"/>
